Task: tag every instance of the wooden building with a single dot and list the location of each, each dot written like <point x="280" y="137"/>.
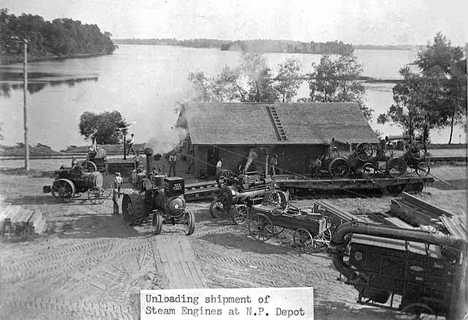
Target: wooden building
<point x="296" y="132"/>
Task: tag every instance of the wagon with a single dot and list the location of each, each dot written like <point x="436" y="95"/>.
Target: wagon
<point x="311" y="230"/>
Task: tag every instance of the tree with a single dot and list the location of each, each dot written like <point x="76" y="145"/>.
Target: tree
<point x="288" y="80"/>
<point x="337" y="80"/>
<point x="227" y="86"/>
<point x="103" y="127"/>
<point x="260" y="82"/>
<point x="434" y="97"/>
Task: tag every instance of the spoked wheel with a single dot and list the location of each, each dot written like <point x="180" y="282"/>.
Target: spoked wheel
<point x="423" y="169"/>
<point x="303" y="240"/>
<point x="323" y="239"/>
<point x="275" y="197"/>
<point x="368" y="170"/>
<point x="217" y="209"/>
<point x="364" y="151"/>
<point x="397" y="167"/>
<point x="189" y="222"/>
<point x="127" y="209"/>
<point x="418" y="311"/>
<point x="63" y="189"/>
<point x="418" y="150"/>
<point x="89" y="166"/>
<point x="157" y="222"/>
<point x="260" y="227"/>
<point x="96" y="195"/>
<point x="338" y="168"/>
<point x="239" y="213"/>
<point x="223" y="177"/>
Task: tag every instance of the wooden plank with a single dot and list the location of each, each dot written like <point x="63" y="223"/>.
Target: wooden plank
<point x="201" y="191"/>
<point x="399" y="223"/>
<point x="455" y="226"/>
<point x="201" y="184"/>
<point x="436" y="211"/>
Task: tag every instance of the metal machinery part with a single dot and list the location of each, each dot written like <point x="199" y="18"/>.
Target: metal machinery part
<point x="427" y="270"/>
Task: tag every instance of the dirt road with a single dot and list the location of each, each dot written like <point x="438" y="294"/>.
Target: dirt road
<point x="90" y="265"/>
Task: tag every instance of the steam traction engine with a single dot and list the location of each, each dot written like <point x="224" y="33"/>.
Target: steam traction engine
<point x="237" y="193"/>
<point x="426" y="273"/>
<point x="69" y="183"/>
<point x="160" y="196"/>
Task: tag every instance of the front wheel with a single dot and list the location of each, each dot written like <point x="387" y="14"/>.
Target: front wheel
<point x="338" y="168"/>
<point x="239" y="213"/>
<point x="423" y="169"/>
<point x="157" y="222"/>
<point x="260" y="227"/>
<point x="303" y="240"/>
<point x="397" y="167"/>
<point x="189" y="222"/>
<point x="217" y="209"/>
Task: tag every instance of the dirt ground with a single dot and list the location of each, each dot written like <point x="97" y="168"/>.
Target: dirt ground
<point x="90" y="265"/>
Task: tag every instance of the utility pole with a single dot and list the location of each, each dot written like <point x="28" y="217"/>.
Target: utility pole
<point x="25" y="108"/>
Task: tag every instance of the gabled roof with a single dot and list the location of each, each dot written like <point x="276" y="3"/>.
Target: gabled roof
<point x="212" y="123"/>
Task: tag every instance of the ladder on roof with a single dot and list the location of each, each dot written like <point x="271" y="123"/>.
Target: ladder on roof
<point x="281" y="133"/>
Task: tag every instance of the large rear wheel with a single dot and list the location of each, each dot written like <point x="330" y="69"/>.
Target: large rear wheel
<point x="397" y="167"/>
<point x="133" y="209"/>
<point x="63" y="189"/>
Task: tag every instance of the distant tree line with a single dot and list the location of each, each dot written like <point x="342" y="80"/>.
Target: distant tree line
<point x="288" y="46"/>
<point x="260" y="46"/>
<point x="59" y="38"/>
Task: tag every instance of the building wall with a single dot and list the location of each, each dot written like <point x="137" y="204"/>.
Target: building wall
<point x="291" y="158"/>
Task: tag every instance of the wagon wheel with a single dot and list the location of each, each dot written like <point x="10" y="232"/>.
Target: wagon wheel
<point x="423" y="169"/>
<point x="417" y="150"/>
<point x="397" y="167"/>
<point x="275" y="197"/>
<point x="63" y="189"/>
<point x="96" y="195"/>
<point x="364" y="151"/>
<point x="239" y="213"/>
<point x="323" y="239"/>
<point x="303" y="240"/>
<point x="157" y="222"/>
<point x="217" y="209"/>
<point x="89" y="166"/>
<point x="189" y="222"/>
<point x="419" y="311"/>
<point x="368" y="170"/>
<point x="338" y="168"/>
<point x="133" y="209"/>
<point x="261" y="227"/>
<point x="223" y="177"/>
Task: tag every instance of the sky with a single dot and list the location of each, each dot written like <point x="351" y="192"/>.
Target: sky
<point x="377" y="22"/>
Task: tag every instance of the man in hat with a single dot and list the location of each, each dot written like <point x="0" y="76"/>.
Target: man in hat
<point x="118" y="182"/>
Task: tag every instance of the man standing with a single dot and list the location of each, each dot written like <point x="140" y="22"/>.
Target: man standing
<point x="172" y="164"/>
<point x="130" y="142"/>
<point x="273" y="164"/>
<point x="219" y="166"/>
<point x="118" y="182"/>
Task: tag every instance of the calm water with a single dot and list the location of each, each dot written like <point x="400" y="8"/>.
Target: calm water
<point x="146" y="84"/>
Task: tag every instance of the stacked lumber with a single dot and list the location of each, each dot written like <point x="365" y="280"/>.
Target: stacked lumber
<point x="17" y="221"/>
<point x="201" y="190"/>
<point x="419" y="213"/>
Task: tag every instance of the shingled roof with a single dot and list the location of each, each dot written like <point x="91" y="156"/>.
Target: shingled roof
<point x="252" y="124"/>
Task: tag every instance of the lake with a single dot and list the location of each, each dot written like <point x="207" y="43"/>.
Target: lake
<point x="146" y="84"/>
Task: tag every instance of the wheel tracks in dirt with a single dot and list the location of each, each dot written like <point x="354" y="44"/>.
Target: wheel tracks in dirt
<point x="321" y="274"/>
<point x="203" y="229"/>
<point x="72" y="309"/>
<point x="52" y="267"/>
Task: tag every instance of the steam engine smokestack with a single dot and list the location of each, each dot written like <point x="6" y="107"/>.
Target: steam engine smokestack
<point x="149" y="161"/>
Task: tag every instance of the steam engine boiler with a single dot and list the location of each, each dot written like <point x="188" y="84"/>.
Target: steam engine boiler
<point x="161" y="196"/>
